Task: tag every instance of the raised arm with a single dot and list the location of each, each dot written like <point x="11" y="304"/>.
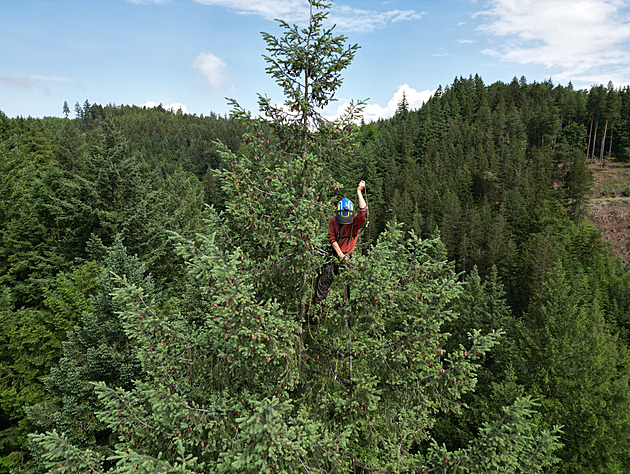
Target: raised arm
<point x="360" y="187"/>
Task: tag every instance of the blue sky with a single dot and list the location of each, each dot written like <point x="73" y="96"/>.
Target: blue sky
<point x="194" y="53"/>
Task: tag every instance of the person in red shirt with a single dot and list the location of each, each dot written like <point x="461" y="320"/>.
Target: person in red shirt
<point x="343" y="231"/>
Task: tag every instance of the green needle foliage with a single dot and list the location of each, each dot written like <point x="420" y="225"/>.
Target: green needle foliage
<point x="307" y="62"/>
<point x="232" y="379"/>
<point x="575" y="363"/>
<point x="509" y="445"/>
<point x="31" y="343"/>
<point x="96" y="350"/>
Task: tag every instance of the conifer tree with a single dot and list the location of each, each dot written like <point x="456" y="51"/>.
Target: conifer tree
<point x="581" y="371"/>
<point x="234" y="381"/>
<point x="30" y="343"/>
<point x="97" y="350"/>
<point x="483" y="306"/>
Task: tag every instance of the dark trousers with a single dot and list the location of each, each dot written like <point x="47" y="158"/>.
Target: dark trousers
<point x="324" y="281"/>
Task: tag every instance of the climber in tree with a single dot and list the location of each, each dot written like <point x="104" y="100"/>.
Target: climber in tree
<point x="343" y="230"/>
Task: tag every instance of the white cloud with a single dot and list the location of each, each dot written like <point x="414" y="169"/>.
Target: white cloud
<point x="372" y="112"/>
<point x="355" y="19"/>
<point x="579" y="39"/>
<point x="172" y="107"/>
<point x="213" y="68"/>
<point x="297" y="11"/>
<point x="29" y="81"/>
<point x="18" y="82"/>
<point x="290" y="10"/>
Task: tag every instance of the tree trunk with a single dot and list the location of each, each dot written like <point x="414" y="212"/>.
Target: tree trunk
<point x="611" y="140"/>
<point x="594" y="142"/>
<point x="601" y="153"/>
<point x="590" y="137"/>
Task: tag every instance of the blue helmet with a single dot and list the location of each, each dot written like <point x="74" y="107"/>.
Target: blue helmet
<point x="345" y="211"/>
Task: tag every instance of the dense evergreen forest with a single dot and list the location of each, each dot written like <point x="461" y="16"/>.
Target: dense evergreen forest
<point x="153" y="267"/>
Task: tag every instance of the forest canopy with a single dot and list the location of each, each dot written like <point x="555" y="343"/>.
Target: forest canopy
<point x="154" y="267"/>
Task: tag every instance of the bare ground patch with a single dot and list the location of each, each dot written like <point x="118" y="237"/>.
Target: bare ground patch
<point x="609" y="209"/>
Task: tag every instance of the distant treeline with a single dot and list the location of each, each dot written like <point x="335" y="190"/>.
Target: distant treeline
<point x="499" y="173"/>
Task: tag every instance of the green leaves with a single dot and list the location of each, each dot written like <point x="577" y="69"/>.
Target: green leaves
<point x="307" y="63"/>
<point x="31" y="342"/>
<point x="224" y="375"/>
<point x="378" y="361"/>
<point x="271" y="438"/>
<point x="512" y="444"/>
<point x="570" y="358"/>
<point x="60" y="456"/>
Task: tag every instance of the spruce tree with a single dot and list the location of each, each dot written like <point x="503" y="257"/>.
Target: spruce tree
<point x="96" y="350"/>
<point x="30" y="341"/>
<point x="234" y="380"/>
<point x="483" y="306"/>
<point x="580" y="370"/>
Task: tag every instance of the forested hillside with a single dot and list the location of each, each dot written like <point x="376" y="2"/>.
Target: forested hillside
<point x="154" y="265"/>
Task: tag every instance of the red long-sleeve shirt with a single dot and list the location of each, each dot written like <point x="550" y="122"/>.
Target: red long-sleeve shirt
<point x="346" y="235"/>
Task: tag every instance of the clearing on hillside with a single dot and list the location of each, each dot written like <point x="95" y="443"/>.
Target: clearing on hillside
<point x="609" y="208"/>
